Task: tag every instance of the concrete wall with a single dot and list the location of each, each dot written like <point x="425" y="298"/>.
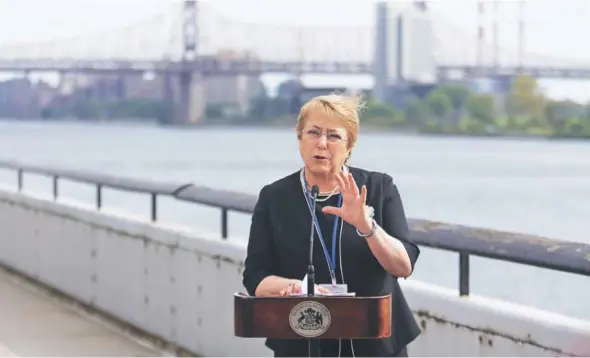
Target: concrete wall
<point x="179" y="284"/>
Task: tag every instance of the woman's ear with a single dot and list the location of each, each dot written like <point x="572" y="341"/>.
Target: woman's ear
<point x="348" y="157"/>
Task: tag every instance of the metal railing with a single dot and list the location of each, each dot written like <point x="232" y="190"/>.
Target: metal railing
<point x="559" y="255"/>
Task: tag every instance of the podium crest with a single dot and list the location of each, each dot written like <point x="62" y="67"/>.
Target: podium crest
<point x="310" y="319"/>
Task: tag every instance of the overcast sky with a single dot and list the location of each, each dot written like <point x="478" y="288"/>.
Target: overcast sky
<point x="551" y="27"/>
<point x="557" y="28"/>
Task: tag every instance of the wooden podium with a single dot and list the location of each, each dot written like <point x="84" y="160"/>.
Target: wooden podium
<point x="313" y="317"/>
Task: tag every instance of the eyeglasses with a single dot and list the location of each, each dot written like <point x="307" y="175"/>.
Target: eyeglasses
<point x="316" y="134"/>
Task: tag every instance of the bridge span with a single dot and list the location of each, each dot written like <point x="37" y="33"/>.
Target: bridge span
<point x="176" y="284"/>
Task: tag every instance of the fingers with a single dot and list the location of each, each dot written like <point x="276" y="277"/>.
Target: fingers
<point x="332" y="210"/>
<point x="352" y="184"/>
<point x="364" y="194"/>
<point x="286" y="291"/>
<point x="291" y="289"/>
<point x="295" y="289"/>
<point x="347" y="183"/>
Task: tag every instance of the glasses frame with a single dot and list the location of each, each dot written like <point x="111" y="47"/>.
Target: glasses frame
<point x="315" y="138"/>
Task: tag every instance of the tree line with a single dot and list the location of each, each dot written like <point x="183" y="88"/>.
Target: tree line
<point x="525" y="110"/>
<point x="455" y="109"/>
<point x="447" y="109"/>
<point x="129" y="108"/>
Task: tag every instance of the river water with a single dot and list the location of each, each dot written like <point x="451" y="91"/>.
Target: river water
<point x="525" y="185"/>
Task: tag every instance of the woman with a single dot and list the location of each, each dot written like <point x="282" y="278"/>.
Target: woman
<point x="362" y="241"/>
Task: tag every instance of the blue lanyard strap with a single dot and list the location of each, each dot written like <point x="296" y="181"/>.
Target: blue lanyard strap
<point x="330" y="259"/>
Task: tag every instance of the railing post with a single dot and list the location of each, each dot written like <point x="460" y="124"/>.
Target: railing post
<point x="224" y="223"/>
<point x="55" y="187"/>
<point x="98" y="196"/>
<point x="19" y="179"/>
<point x="463" y="274"/>
<point x="154" y="215"/>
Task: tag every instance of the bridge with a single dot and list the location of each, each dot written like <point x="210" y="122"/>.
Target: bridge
<point x="161" y="43"/>
<point x="198" y="29"/>
<point x="191" y="42"/>
<point x="205" y="66"/>
<point x="165" y="289"/>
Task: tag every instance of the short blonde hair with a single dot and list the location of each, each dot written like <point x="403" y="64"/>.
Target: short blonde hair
<point x="344" y="109"/>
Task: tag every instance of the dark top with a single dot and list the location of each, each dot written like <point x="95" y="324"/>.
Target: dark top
<point x="279" y="245"/>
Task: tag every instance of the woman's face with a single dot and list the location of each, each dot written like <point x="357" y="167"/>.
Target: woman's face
<point x="323" y="145"/>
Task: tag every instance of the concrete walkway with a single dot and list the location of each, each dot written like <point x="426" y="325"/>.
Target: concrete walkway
<point x="33" y="323"/>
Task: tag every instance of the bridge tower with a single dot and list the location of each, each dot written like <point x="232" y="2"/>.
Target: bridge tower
<point x="189" y="30"/>
<point x="190" y="106"/>
<point x="404" y="47"/>
<point x="381" y="49"/>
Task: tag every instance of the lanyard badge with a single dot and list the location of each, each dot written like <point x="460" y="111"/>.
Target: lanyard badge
<point x="331" y="259"/>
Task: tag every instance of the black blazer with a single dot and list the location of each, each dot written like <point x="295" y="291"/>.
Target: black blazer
<point x="279" y="245"/>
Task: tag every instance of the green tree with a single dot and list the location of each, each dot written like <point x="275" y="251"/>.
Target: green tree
<point x="525" y="98"/>
<point x="417" y="112"/>
<point x="258" y="109"/>
<point x="214" y="111"/>
<point x="468" y="125"/>
<point x="278" y="107"/>
<point x="459" y="96"/>
<point x="379" y="113"/>
<point x="439" y="104"/>
<point x="481" y="108"/>
<point x="87" y="109"/>
<point x="576" y="127"/>
<point x="556" y="115"/>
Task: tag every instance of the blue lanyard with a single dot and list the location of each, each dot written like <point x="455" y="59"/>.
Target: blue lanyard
<point x="330" y="259"/>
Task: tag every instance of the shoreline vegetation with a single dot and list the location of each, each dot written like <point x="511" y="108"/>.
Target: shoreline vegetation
<point x="448" y="110"/>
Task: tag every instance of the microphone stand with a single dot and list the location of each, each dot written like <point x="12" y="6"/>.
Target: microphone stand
<point x="314" y="347"/>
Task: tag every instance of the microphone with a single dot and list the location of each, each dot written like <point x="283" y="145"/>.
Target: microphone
<point x="315" y="190"/>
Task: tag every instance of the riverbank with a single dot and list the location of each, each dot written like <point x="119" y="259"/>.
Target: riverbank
<point x="375" y="129"/>
<point x="287" y="126"/>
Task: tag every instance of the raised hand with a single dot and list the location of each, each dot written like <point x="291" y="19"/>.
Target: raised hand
<point x="353" y="209"/>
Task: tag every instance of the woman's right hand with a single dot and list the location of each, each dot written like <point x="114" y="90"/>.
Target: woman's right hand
<point x="295" y="288"/>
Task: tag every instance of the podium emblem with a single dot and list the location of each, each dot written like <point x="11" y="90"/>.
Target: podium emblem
<point x="310" y="319"/>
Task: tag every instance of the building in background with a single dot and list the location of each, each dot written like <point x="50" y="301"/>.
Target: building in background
<point x="233" y="92"/>
<point x="20" y="98"/>
<point x="404" y="49"/>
